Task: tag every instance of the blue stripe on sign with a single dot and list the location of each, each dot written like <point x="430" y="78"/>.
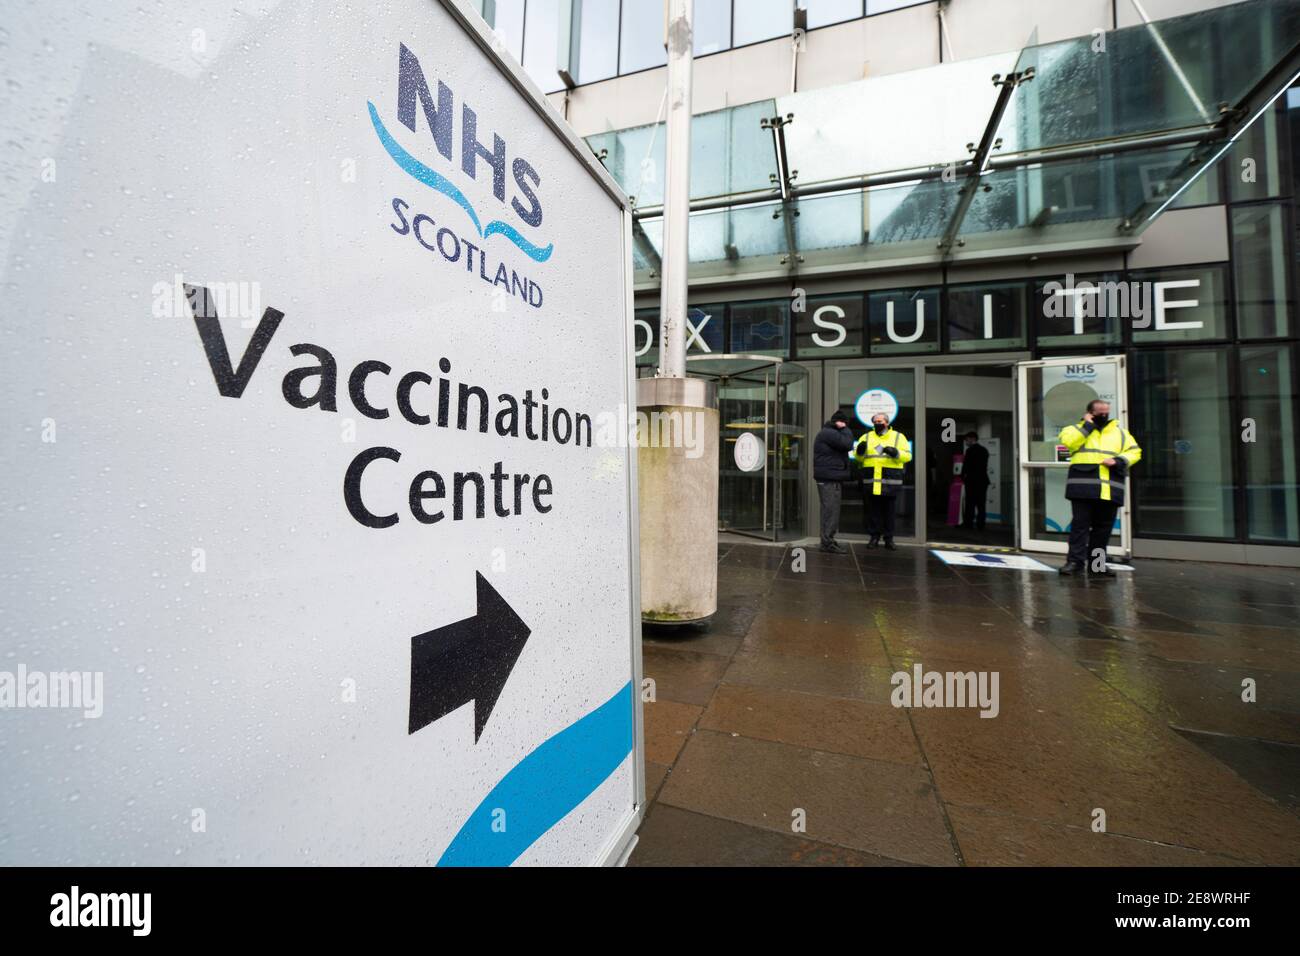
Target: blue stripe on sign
<point x="545" y="786"/>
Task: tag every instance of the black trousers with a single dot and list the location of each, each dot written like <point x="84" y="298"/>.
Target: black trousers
<point x="880" y="514"/>
<point x="1090" y="528"/>
<point x="974" y="515"/>
<point x="830" y="493"/>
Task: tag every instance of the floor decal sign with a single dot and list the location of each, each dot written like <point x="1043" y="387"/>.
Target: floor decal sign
<point x="310" y="489"/>
<point x="980" y="559"/>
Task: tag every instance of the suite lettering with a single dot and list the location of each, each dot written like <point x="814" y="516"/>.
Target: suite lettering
<point x="1148" y="305"/>
<point x="419" y="400"/>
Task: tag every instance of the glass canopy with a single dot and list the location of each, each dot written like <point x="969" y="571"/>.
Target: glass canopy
<point x="1081" y="141"/>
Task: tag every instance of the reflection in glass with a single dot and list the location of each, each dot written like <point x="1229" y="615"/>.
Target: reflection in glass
<point x="828" y="326"/>
<point x="1171" y="76"/>
<point x="1072" y="310"/>
<point x="645" y="336"/>
<point x="762" y="20"/>
<point x="508" y="25"/>
<point x="1272" y="479"/>
<point x="761" y="328"/>
<point x="1259" y="263"/>
<point x="1183" y="485"/>
<point x="541" y="44"/>
<point x="986" y="316"/>
<point x="706" y="328"/>
<point x="641" y="40"/>
<point x="825" y="12"/>
<point x="1255" y="161"/>
<point x="904" y="321"/>
<point x="712" y="26"/>
<point x="597" y="31"/>
<point x="1181" y="305"/>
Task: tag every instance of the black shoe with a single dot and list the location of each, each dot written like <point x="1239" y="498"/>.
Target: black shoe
<point x="839" y="548"/>
<point x="889" y="545"/>
<point x="873" y="543"/>
<point x="1070" y="567"/>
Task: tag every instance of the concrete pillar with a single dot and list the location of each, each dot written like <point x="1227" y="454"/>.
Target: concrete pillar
<point x="677" y="477"/>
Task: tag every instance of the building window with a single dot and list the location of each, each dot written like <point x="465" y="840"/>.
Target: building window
<point x="986" y="316"/>
<point x="884" y="6"/>
<point x="596" y="55"/>
<point x="1070" y="310"/>
<point x="1259" y="264"/>
<point x="1181" y="418"/>
<point x="541" y="44"/>
<point x="829" y="326"/>
<point x="641" y="37"/>
<point x="823" y="13"/>
<point x="763" y="20"/>
<point x="1179" y="305"/>
<point x="705" y="329"/>
<point x="645" y="337"/>
<point x="1271" y="476"/>
<point x="1255" y="162"/>
<point x="712" y="26"/>
<point x="761" y="328"/>
<point x="508" y="24"/>
<point x="903" y="321"/>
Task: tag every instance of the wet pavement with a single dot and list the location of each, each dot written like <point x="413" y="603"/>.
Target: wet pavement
<point x="1121" y="735"/>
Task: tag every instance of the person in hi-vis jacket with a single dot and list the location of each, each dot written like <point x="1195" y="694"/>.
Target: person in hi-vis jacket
<point x="1101" y="453"/>
<point x="884" y="453"/>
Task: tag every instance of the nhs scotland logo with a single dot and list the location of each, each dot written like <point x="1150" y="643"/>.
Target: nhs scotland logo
<point x="462" y="237"/>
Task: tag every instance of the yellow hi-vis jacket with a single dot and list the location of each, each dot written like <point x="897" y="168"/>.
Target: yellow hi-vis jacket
<point x="1089" y="447"/>
<point x="885" y="471"/>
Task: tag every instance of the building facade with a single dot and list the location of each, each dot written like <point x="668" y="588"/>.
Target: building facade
<point x="984" y="211"/>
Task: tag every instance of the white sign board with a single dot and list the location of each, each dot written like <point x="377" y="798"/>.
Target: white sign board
<point x="874" y="401"/>
<point x="750" y="452"/>
<point x="299" y="471"/>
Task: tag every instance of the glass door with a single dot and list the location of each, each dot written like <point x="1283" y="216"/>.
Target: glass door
<point x="744" y="412"/>
<point x="970" y="442"/>
<point x="763" y="419"/>
<point x="1051" y="394"/>
<point x="859" y="391"/>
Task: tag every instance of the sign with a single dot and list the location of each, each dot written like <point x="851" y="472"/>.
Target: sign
<point x="874" y="401"/>
<point x="1005" y="562"/>
<point x="301" y="463"/>
<point x="750" y="452"/>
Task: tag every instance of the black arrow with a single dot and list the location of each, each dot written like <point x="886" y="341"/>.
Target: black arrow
<point x="469" y="660"/>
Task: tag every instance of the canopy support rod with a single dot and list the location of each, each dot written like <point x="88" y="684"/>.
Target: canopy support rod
<point x="1006" y="88"/>
<point x="783" y="179"/>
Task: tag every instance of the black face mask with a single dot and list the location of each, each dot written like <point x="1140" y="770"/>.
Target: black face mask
<point x="1100" y="420"/>
<point x="880" y="429"/>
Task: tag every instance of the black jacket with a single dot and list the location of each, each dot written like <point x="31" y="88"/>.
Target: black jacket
<point x="830" y="453"/>
<point x="975" y="466"/>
